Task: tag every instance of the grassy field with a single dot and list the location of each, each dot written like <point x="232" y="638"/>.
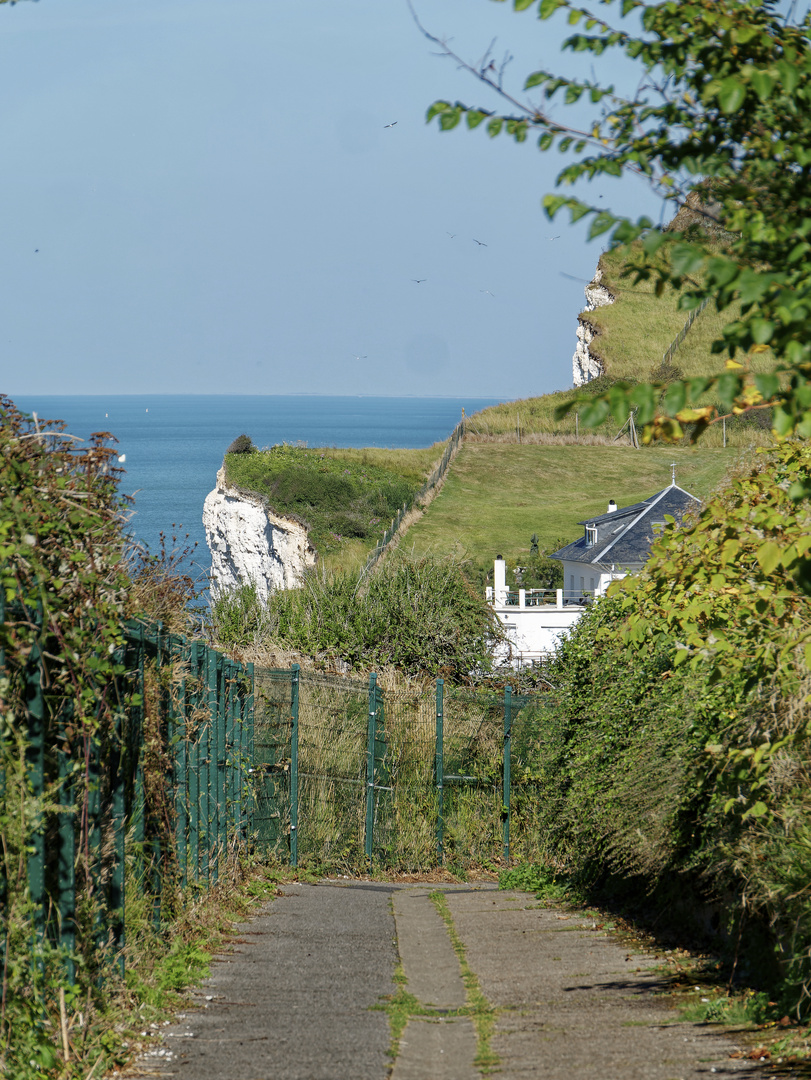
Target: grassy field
<point x="498" y="494"/>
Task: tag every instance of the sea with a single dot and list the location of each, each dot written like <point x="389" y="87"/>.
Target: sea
<point x="172" y="445"/>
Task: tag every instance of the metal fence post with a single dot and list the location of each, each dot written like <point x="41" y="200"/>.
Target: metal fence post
<point x="295" y="677"/>
<point x="505" y="795"/>
<point x="117" y="878"/>
<point x="194" y="764"/>
<point x="210" y="824"/>
<point x="181" y="768"/>
<point x="35" y="766"/>
<point x="223" y="667"/>
<point x="66" y="860"/>
<point x="370" y="770"/>
<point x="440" y="772"/>
<point x="250" y="746"/>
<point x="232" y="798"/>
<point x="139" y="808"/>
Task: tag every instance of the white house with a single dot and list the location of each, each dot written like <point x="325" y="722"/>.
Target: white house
<point x="613" y="545"/>
<point x="533" y="618"/>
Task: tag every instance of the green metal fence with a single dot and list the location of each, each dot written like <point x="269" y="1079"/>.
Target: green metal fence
<point x="153" y="805"/>
<point x="350" y="777"/>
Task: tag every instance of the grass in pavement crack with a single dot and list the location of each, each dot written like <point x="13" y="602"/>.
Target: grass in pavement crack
<point x="478" y="1007"/>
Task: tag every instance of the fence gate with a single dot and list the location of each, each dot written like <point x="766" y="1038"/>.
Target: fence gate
<point x="351" y="777"/>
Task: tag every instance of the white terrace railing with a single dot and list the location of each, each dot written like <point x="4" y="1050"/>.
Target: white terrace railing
<point x="530" y="598"/>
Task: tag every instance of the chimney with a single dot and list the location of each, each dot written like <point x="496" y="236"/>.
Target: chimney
<point x="499" y="580"/>
<point x="612" y="506"/>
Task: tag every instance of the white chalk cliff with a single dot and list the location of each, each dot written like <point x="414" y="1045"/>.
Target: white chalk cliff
<point x="249" y="543"/>
<point x="585" y="365"/>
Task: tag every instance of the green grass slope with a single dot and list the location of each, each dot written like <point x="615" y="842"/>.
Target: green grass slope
<point x="497" y="495"/>
<point x="636" y="330"/>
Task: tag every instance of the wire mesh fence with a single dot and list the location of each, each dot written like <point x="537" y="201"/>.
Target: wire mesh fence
<point x="349" y="776"/>
<point x="141" y="809"/>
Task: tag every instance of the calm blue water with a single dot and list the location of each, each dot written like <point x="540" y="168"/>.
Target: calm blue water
<point x="174" y="444"/>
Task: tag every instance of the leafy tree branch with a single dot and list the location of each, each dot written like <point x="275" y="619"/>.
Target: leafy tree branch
<point x="722" y="114"/>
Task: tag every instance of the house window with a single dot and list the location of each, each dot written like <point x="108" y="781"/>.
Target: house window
<point x="591" y="535"/>
<point x="582" y="583"/>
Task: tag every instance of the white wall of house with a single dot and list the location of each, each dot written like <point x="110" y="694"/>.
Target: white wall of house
<point x="583" y="580"/>
<point x="535" y="619"/>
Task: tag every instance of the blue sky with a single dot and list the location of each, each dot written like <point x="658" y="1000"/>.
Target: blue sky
<point x="203" y="197"/>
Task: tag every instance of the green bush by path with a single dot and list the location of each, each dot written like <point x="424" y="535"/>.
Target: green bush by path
<point x="419" y="615"/>
<point x="678" y="752"/>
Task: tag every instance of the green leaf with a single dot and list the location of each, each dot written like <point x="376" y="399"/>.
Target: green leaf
<point x="762" y="330"/>
<point x="602" y="223"/>
<point x="549" y="7"/>
<point x="545" y="141"/>
<point x="522" y="5"/>
<point x="768" y="385"/>
<point x="686" y="259"/>
<point x="450" y="118"/>
<point x="435" y="109"/>
<point x="789" y="76"/>
<point x="643" y="396"/>
<point x="475" y="117"/>
<point x="537" y="78"/>
<point x="728" y="386"/>
<point x="675" y="398"/>
<point x="494" y="126"/>
<point x="769" y="556"/>
<point x="592" y="413"/>
<point x="731" y="94"/>
<point x="763" y="84"/>
<point x="758" y="810"/>
<point x="721" y="271"/>
<point x="553" y="203"/>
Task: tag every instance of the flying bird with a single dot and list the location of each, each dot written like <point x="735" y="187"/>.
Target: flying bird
<point x="419" y="280"/>
<point x="360" y="357"/>
<point x="488" y="292"/>
<point x="481" y="243"/>
<point x="553" y="237"/>
<point x="452" y="235"/>
<point x="389" y="125"/>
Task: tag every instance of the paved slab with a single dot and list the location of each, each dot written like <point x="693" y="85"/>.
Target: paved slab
<point x="431" y="966"/>
<point x="431" y="1048"/>
<point x="293" y="1001"/>
<point x="437" y="1050"/>
<point x="572" y="1002"/>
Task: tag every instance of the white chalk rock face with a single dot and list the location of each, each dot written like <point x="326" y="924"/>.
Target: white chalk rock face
<point x="249" y="543"/>
<point x="585" y="365"/>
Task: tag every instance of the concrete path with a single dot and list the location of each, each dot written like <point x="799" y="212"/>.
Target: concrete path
<point x="300" y="995"/>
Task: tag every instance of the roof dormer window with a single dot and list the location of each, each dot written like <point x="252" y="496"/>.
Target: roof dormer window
<point x="591" y="535"/>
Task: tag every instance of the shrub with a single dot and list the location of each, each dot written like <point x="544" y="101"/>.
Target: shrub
<point x="419" y="615"/>
<point x="242" y="444"/>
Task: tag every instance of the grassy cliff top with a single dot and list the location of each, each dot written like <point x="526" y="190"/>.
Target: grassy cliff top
<point x="346" y="497"/>
<point x="635" y="331"/>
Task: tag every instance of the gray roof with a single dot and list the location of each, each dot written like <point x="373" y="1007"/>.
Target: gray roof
<point x="624" y="537"/>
